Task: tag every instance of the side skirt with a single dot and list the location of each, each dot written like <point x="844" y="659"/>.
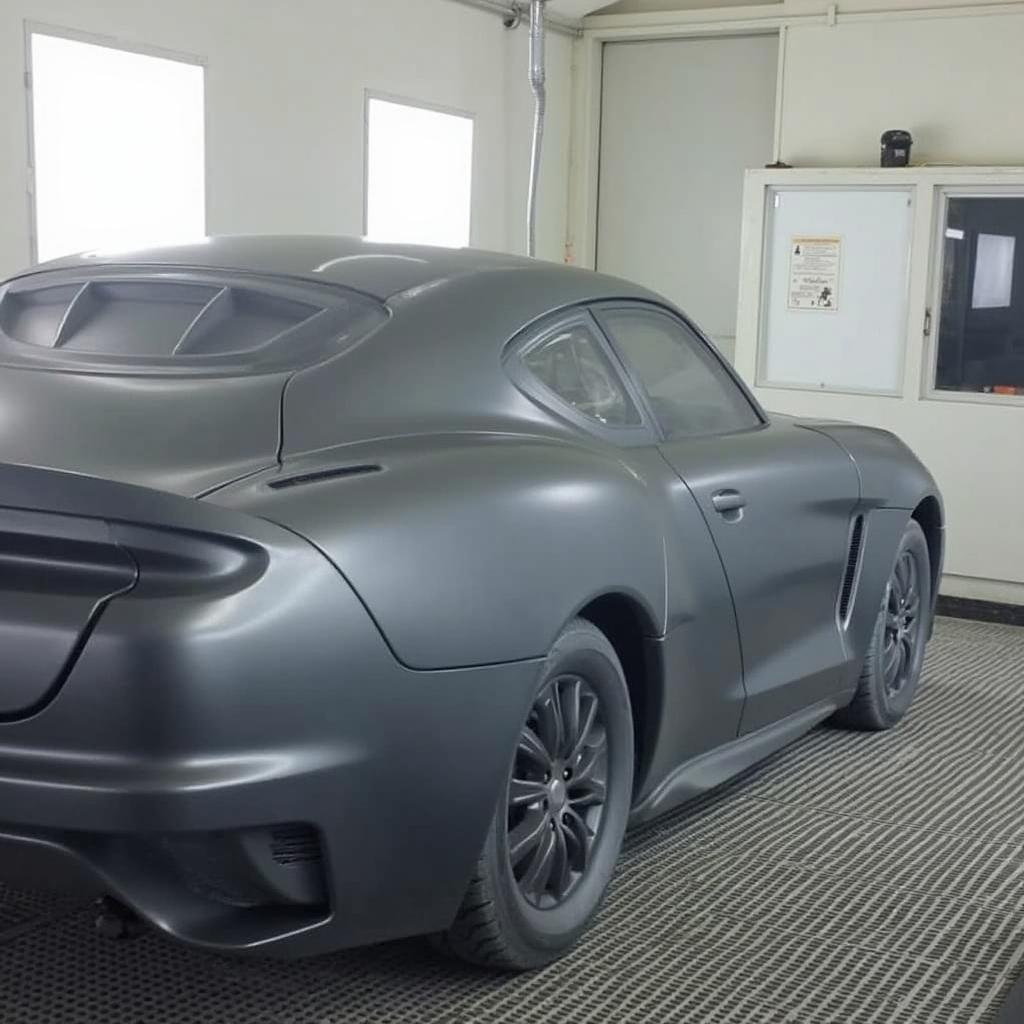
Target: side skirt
<point x="694" y="778"/>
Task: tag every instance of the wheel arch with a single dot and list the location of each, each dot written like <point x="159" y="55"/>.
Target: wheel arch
<point x="928" y="515"/>
<point x="628" y="627"/>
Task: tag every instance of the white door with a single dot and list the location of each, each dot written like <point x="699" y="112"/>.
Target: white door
<point x="682" y="119"/>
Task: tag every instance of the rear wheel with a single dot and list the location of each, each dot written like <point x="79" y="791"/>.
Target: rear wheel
<point x="558" y="827"/>
<point x="892" y="667"/>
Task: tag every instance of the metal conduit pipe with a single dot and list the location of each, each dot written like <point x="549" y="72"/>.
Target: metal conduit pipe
<point x="511" y="13"/>
<point x="538" y="82"/>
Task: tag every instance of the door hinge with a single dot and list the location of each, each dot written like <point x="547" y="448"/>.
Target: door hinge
<point x="28" y="80"/>
<point x="927" y="323"/>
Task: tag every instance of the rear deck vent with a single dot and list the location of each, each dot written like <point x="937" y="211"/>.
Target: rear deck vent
<point x="850" y="575"/>
<point x="294" y="844"/>
<point x="164" y="317"/>
<point x="334" y="473"/>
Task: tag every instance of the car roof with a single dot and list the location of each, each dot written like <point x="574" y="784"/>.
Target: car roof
<point x="376" y="269"/>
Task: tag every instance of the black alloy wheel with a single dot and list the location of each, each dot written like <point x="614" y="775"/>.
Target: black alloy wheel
<point x="902" y="622"/>
<point x="895" y="655"/>
<point x="561" y="812"/>
<point x="557" y="791"/>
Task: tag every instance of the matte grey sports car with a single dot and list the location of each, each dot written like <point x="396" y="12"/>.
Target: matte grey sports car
<point x="350" y="592"/>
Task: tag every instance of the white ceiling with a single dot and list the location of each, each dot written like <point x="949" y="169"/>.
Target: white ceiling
<point x="575" y="8"/>
<point x="580" y="8"/>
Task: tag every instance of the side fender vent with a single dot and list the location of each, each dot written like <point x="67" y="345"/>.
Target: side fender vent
<point x="849" y="587"/>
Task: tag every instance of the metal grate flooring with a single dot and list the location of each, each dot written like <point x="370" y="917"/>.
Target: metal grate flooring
<point x="851" y="879"/>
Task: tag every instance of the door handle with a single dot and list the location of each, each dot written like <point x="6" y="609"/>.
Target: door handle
<point x="728" y="501"/>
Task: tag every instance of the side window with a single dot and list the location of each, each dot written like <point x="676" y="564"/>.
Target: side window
<point x="571" y="363"/>
<point x="690" y="393"/>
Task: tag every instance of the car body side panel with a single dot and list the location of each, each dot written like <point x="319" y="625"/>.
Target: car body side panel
<point x="699" y="695"/>
<point x="513" y="536"/>
<point x="784" y="555"/>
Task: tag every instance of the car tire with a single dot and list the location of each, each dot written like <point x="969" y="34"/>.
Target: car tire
<point x="570" y="798"/>
<point x="892" y="667"/>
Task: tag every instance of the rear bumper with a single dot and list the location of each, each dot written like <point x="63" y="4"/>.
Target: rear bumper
<point x="398" y="813"/>
<point x="195" y="733"/>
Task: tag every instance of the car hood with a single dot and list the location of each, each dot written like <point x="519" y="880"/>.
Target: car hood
<point x="186" y="434"/>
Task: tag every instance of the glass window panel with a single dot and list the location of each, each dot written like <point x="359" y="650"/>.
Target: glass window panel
<point x="981" y="319"/>
<point x="572" y="364"/>
<point x="118" y="140"/>
<point x="689" y="390"/>
<point x="993" y="272"/>
<point x="419" y="175"/>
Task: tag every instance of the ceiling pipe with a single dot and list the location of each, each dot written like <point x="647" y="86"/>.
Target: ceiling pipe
<point x="509" y="11"/>
<point x="538" y="82"/>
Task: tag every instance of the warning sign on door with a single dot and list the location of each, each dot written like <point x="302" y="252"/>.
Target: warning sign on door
<point x="814" y="273"/>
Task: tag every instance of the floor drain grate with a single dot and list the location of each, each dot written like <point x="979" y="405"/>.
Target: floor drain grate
<point x="853" y="878"/>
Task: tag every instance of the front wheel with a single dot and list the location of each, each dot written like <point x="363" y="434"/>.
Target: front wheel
<point x="892" y="667"/>
<point x="559" y="823"/>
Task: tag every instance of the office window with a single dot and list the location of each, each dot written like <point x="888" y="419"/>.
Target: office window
<point x="118" y="147"/>
<point x="981" y="318"/>
<point x="419" y="177"/>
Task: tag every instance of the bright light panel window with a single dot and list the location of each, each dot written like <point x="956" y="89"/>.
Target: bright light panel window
<point x="419" y="175"/>
<point x="118" y="145"/>
<point x="993" y="272"/>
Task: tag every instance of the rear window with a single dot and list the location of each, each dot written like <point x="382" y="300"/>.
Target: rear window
<point x="172" y="321"/>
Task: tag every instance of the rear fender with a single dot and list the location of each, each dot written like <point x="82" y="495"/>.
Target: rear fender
<point x="472" y="549"/>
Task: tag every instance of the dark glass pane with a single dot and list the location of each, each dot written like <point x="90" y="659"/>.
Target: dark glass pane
<point x="981" y="321"/>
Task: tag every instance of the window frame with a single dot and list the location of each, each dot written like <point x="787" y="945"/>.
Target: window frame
<point x="701" y="340"/>
<point x="38" y="28"/>
<point x="644" y="433"/>
<point x="369" y="95"/>
<point x="930" y="355"/>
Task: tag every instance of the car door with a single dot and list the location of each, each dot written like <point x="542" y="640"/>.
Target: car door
<point x="567" y="365"/>
<point x="778" y="498"/>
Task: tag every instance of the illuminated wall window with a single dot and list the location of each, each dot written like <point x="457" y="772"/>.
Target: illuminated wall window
<point x="419" y="175"/>
<point x="117" y="145"/>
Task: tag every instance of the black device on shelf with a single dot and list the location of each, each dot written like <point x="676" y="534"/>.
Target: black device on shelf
<point x="896" y="148"/>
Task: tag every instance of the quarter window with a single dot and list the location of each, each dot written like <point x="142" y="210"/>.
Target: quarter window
<point x="689" y="391"/>
<point x="571" y="363"/>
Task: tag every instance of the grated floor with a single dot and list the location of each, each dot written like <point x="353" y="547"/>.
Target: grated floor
<point x="852" y="878"/>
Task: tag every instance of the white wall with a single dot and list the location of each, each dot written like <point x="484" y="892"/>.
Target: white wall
<point x="285" y="92"/>
<point x="957" y="83"/>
